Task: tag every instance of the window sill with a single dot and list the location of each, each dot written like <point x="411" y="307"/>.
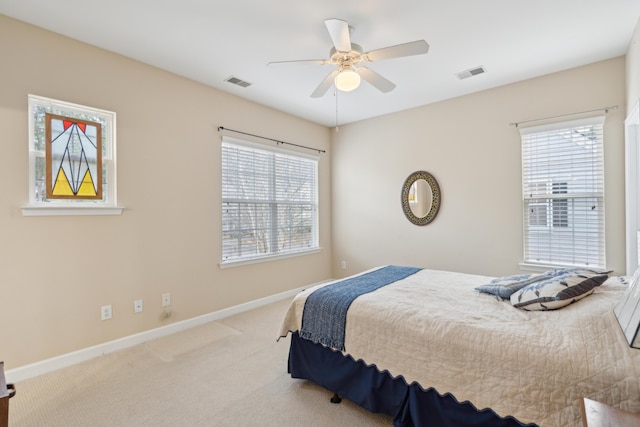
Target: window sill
<point x="546" y="267"/>
<point x="538" y="267"/>
<point x="35" y="210"/>
<point x="238" y="263"/>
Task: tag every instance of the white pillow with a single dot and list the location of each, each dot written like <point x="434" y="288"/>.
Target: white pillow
<point x="506" y="286"/>
<point x="557" y="292"/>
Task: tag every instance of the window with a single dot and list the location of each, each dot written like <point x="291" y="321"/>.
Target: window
<point x="563" y="194"/>
<point x="71" y="159"/>
<point x="269" y="202"/>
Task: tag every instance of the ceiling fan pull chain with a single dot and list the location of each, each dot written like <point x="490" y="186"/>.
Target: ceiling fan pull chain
<point x="335" y="94"/>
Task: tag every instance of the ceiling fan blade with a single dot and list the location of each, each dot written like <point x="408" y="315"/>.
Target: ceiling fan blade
<point x="417" y="47"/>
<point x="339" y="33"/>
<point x="379" y="82"/>
<point x="302" y="62"/>
<point x="325" y="84"/>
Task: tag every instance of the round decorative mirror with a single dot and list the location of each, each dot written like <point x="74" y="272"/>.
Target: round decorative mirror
<point x="420" y="198"/>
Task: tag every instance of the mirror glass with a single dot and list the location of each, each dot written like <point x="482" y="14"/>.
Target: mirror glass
<point x="420" y="195"/>
<point x="420" y="198"/>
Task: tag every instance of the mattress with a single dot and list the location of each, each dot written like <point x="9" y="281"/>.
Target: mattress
<point x="435" y="329"/>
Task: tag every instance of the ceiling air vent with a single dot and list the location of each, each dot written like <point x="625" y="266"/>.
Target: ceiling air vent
<point x="471" y="72"/>
<point x="236" y="81"/>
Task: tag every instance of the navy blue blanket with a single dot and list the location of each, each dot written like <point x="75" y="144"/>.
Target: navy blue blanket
<point x="325" y="311"/>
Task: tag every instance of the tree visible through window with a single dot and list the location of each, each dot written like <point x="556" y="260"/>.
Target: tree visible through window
<point x="269" y="202"/>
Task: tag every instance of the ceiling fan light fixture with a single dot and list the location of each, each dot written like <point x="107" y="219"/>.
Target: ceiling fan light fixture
<point x="347" y="80"/>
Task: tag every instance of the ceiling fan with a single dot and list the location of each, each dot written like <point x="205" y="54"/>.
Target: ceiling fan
<point x="348" y="57"/>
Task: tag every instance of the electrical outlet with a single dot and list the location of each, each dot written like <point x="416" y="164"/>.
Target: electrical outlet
<point x="137" y="306"/>
<point x="166" y="300"/>
<point x="343" y="264"/>
<point x="105" y="312"/>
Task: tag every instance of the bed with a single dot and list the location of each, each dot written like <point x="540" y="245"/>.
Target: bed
<point x="429" y="348"/>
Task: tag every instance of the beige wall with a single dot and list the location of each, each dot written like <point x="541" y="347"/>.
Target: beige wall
<point x="168" y="239"/>
<point x="633" y="69"/>
<point x="56" y="272"/>
<point x="473" y="152"/>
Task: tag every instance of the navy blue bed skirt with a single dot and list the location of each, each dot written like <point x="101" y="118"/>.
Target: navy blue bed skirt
<point x="409" y="405"/>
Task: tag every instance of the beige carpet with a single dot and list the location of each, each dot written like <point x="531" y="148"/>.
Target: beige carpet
<point x="226" y="373"/>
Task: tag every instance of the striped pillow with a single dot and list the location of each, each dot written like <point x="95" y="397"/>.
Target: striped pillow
<point x="558" y="292"/>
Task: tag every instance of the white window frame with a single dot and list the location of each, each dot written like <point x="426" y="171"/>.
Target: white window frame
<point x="579" y="241"/>
<point x="41" y="206"/>
<point x="632" y="188"/>
<point x="272" y="253"/>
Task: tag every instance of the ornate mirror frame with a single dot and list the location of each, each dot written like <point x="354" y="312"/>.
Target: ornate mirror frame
<point x="435" y="198"/>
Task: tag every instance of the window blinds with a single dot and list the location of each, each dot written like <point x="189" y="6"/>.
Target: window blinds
<point x="269" y="201"/>
<point x="563" y="193"/>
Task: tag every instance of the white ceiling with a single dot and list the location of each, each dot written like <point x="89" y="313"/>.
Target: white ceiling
<point x="211" y="40"/>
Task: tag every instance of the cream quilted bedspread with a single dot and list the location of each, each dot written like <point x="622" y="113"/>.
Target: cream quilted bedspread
<point x="433" y="328"/>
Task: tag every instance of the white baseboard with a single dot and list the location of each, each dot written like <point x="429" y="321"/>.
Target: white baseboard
<point x="42" y="367"/>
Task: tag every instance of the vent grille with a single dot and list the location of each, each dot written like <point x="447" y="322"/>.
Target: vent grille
<point x="471" y="72"/>
<point x="238" y="82"/>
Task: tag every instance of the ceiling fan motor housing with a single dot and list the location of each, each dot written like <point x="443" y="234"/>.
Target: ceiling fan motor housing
<point x="346" y="59"/>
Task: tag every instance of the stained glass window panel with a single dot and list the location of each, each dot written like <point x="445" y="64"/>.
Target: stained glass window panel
<point x="74" y="158"/>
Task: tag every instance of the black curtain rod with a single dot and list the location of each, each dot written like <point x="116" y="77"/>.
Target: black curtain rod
<point x="271" y="139"/>
<point x="605" y="109"/>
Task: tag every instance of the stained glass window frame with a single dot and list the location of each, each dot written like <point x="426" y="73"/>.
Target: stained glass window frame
<point x="72" y="169"/>
<point x="41" y="205"/>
